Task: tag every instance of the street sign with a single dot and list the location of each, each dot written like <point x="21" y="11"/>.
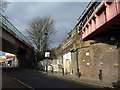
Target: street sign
<point x="47" y="54"/>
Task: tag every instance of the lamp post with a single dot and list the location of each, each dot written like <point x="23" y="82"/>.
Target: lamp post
<point x="46" y="53"/>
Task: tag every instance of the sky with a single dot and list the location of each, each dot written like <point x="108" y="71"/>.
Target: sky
<point x="65" y="15"/>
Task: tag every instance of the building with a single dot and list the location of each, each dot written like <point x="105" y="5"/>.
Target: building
<point x="69" y="52"/>
<point x="99" y="52"/>
<point x="95" y="47"/>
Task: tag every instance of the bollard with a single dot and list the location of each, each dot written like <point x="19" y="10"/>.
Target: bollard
<point x="63" y="71"/>
<point x="79" y="73"/>
<point x="52" y="70"/>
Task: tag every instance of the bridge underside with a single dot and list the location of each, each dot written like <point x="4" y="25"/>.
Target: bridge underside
<point x="103" y="18"/>
<point x="8" y="47"/>
<point x="111" y="27"/>
<point x="12" y="45"/>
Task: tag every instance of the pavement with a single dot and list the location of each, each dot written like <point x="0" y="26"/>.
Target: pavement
<point x="84" y="80"/>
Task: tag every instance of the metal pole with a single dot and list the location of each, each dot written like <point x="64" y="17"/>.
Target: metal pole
<point x="45" y="46"/>
<point x="46" y="65"/>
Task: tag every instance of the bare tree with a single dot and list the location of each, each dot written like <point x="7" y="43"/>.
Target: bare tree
<point x="3" y="5"/>
<point x="40" y="31"/>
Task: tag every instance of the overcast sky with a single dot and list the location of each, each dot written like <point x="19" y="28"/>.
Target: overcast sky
<point x="65" y="15"/>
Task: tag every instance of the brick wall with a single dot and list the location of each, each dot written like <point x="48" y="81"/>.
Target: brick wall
<point x="103" y="56"/>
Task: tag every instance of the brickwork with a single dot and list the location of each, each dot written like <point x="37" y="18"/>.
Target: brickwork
<point x="105" y="59"/>
<point x="100" y="60"/>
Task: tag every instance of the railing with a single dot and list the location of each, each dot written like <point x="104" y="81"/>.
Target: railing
<point x="18" y="34"/>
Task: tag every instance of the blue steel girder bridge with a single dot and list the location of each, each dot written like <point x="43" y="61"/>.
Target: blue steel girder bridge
<point x="13" y="41"/>
<point x="98" y="18"/>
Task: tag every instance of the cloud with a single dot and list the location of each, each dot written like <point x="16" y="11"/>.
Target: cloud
<point x="65" y="15"/>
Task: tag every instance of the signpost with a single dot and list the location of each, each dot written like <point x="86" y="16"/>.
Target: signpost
<point x="47" y="55"/>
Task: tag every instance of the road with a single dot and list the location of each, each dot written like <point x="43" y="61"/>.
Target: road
<point x="8" y="82"/>
<point x="36" y="80"/>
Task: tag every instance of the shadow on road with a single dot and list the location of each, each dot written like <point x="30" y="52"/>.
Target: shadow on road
<point x="38" y="80"/>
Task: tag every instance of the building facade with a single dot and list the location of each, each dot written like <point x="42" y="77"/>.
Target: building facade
<point x="95" y="49"/>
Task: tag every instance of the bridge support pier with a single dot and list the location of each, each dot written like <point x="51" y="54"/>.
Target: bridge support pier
<point x="25" y="58"/>
<point x="21" y="56"/>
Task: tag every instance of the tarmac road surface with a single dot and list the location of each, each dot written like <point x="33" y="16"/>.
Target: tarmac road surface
<point x="35" y="80"/>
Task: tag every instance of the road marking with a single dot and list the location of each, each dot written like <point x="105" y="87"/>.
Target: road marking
<point x="23" y="83"/>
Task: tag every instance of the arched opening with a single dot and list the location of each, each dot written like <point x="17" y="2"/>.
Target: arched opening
<point x="8" y="59"/>
<point x="21" y="56"/>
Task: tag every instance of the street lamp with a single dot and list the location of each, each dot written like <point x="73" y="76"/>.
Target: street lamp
<point x="45" y="50"/>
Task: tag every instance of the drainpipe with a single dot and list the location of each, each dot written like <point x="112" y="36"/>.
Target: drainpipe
<point x="78" y="72"/>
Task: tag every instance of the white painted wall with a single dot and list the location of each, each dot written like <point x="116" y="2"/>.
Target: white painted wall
<point x="65" y="57"/>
